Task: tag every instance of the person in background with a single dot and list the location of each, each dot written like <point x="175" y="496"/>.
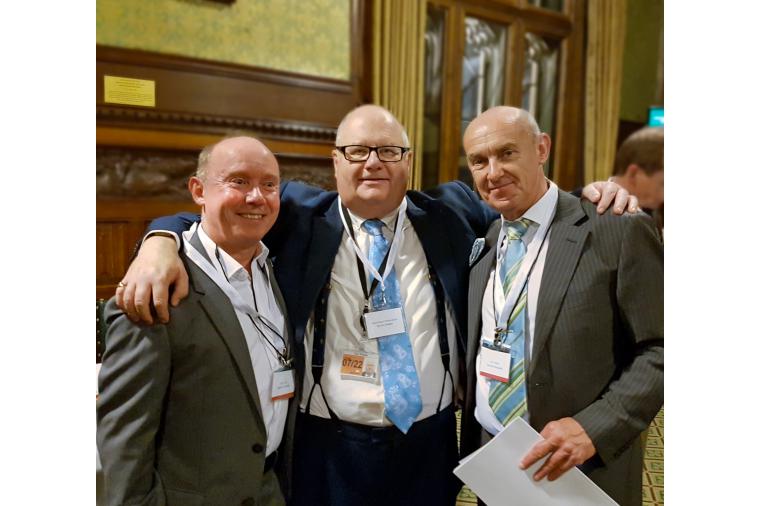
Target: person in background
<point x="640" y="168"/>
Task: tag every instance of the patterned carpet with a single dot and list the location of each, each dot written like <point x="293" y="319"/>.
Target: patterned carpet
<point x="654" y="463"/>
<point x="653" y="478"/>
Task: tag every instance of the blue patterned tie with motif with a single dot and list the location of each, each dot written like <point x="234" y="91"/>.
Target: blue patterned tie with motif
<point x="400" y="381"/>
<point x="508" y="400"/>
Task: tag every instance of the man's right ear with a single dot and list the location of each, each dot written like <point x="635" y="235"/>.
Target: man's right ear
<point x="631" y="170"/>
<point x="195" y="185"/>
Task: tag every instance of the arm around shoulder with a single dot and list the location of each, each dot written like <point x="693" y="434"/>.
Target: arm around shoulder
<point x="176" y="223"/>
<point x="465" y="203"/>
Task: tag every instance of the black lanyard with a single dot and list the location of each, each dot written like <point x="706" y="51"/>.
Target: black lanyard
<point x="283" y="358"/>
<point x="360" y="267"/>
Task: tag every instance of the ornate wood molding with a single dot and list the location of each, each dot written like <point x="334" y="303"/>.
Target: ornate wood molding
<point x="185" y="121"/>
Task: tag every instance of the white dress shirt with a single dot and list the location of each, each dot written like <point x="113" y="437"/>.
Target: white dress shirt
<point x="257" y="292"/>
<point x="541" y="214"/>
<point x="363" y="402"/>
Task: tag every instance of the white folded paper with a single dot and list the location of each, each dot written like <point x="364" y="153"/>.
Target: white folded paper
<point x="492" y="472"/>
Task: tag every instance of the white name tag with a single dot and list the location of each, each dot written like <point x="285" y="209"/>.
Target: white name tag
<point x="283" y="384"/>
<point x="494" y="364"/>
<point x="384" y="323"/>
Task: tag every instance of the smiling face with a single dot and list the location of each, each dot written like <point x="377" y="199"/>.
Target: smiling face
<point x="371" y="189"/>
<point x="239" y="194"/>
<point x="506" y="156"/>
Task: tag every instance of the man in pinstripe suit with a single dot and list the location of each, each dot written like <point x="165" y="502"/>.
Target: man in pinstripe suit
<point x="588" y="289"/>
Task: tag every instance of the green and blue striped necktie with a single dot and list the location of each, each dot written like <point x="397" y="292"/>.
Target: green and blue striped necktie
<point x="508" y="400"/>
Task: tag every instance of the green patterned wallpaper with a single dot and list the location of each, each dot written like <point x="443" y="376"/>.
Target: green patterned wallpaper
<point x="642" y="50"/>
<point x="306" y="36"/>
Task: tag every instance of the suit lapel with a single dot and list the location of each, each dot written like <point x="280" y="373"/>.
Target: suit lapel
<point x="438" y="253"/>
<point x="478" y="280"/>
<point x="222" y="316"/>
<point x="568" y="235"/>
<point x="326" y="234"/>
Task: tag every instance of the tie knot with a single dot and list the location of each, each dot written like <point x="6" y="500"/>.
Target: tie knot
<point x="516" y="229"/>
<point x="374" y="227"/>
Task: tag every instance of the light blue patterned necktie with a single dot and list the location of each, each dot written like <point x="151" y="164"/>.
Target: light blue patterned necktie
<point x="508" y="400"/>
<point x="402" y="386"/>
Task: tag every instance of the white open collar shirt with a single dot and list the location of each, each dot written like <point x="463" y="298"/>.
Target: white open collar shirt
<point x="541" y="214"/>
<point x="257" y="292"/>
<point x="361" y="402"/>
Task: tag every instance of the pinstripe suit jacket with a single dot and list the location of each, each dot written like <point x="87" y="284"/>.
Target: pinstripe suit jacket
<point x="598" y="344"/>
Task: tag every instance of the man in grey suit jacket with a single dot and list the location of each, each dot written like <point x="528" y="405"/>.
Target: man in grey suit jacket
<point x="592" y="334"/>
<point x="196" y="411"/>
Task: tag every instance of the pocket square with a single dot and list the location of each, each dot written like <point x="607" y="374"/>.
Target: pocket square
<point x="477" y="248"/>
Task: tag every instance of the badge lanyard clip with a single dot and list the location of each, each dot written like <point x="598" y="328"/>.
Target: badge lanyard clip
<point x="363" y="262"/>
<point x="502" y="319"/>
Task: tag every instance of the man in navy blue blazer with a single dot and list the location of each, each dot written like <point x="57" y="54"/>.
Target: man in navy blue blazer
<point x="350" y="447"/>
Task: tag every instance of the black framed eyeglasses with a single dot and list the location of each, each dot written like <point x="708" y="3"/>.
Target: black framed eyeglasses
<point x="359" y="153"/>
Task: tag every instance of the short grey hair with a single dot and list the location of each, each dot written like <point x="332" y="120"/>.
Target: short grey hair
<point x="203" y="158"/>
<point x="530" y="122"/>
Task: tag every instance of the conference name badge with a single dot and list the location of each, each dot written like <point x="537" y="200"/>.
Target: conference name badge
<point x="360" y="366"/>
<point x="495" y="360"/>
<point x="384" y="323"/>
<point x="283" y="384"/>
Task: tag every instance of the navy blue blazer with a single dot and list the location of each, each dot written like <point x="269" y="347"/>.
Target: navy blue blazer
<point x="304" y="242"/>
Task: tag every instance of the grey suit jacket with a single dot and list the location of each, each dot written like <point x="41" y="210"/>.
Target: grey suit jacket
<point x="179" y="416"/>
<point x="598" y="346"/>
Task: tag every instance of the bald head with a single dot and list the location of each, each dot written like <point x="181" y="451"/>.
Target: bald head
<point x="508" y="115"/>
<point x="365" y="115"/>
<point x="506" y="152"/>
<point x="371" y="188"/>
<point x="226" y="147"/>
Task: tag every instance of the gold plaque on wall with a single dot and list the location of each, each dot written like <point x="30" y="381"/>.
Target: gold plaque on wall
<point x="129" y="91"/>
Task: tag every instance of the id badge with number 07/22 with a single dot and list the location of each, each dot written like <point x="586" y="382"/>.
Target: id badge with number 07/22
<point x="495" y="357"/>
<point x="360" y="366"/>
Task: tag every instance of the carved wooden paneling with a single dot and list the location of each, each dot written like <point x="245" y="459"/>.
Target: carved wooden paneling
<point x="111" y="240"/>
<point x="124" y="172"/>
<point x="163" y="174"/>
<point x="120" y="224"/>
<point x="311" y="170"/>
